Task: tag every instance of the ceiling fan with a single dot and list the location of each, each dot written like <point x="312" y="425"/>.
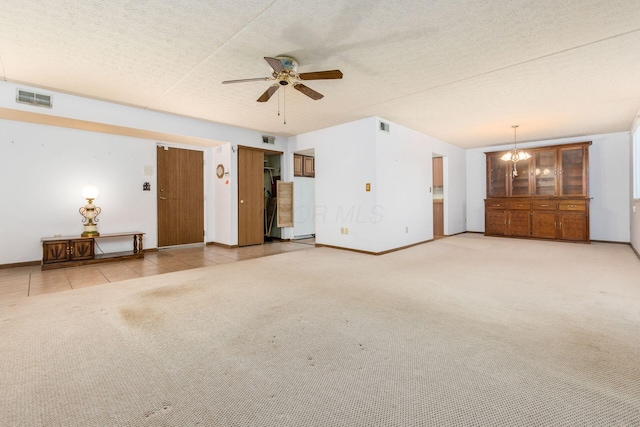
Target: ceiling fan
<point x="285" y="72"/>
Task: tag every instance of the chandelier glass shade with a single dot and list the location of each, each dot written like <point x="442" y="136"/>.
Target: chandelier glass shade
<point x="515" y="155"/>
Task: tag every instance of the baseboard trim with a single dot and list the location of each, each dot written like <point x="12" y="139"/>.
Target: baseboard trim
<point x="320" y="245"/>
<point x="222" y="245"/>
<point x="611" y="241"/>
<point x="20" y="264"/>
<point x="634" y="250"/>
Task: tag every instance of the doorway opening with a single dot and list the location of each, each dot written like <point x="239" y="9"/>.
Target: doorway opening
<point x="271" y="175"/>
<point x="304" y="173"/>
<point x="438" y="196"/>
<point x="258" y="177"/>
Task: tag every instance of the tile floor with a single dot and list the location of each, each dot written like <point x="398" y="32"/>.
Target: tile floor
<point x="31" y="281"/>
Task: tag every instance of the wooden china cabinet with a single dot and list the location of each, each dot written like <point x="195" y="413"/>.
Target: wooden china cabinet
<point x="547" y="197"/>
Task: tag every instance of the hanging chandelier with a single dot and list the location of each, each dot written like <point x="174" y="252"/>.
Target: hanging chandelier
<point x="515" y="155"/>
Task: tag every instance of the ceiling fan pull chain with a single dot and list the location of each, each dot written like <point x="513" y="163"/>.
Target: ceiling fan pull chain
<point x="284" y="104"/>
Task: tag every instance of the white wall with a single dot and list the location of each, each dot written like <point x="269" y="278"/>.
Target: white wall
<point x="398" y="210"/>
<point x="304" y="205"/>
<point x="43" y="169"/>
<point x="344" y="162"/>
<point x="635" y="203"/>
<point x="609" y="184"/>
<point x="42" y="172"/>
<point x="219" y="196"/>
<point x="404" y="192"/>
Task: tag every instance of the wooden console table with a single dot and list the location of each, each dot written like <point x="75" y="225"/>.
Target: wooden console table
<point x="71" y="251"/>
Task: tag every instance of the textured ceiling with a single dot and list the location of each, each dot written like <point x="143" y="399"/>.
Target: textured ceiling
<point x="459" y="70"/>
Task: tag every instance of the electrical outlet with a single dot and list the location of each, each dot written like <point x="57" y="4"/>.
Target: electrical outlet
<point x="406" y="229"/>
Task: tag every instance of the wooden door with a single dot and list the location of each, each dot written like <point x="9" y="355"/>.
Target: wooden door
<point x="297" y="165"/>
<point x="521" y="183"/>
<point x="573" y="226"/>
<point x="55" y="251"/>
<point x="497" y="172"/>
<point x="180" y="196"/>
<point x="250" y="197"/>
<point x="544" y="172"/>
<point x="438" y="172"/>
<point x="438" y="219"/>
<point x="543" y="224"/>
<point x="309" y="167"/>
<point x="519" y="223"/>
<point x="495" y="222"/>
<point x="81" y="249"/>
<point x="573" y="171"/>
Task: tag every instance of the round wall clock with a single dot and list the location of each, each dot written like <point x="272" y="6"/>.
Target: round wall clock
<point x="220" y="171"/>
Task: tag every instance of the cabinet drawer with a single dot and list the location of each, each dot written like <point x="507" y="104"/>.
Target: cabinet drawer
<point x="519" y="205"/>
<point x="572" y="205"/>
<point x="544" y="205"/>
<point x="495" y="204"/>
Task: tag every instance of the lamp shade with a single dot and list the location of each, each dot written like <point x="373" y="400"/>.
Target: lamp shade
<point x="90" y="191"/>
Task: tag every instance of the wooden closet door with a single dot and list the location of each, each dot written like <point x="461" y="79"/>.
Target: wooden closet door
<point x="180" y="196"/>
<point x="250" y="197"/>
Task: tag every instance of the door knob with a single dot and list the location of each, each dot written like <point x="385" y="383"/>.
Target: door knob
<point x="163" y="198"/>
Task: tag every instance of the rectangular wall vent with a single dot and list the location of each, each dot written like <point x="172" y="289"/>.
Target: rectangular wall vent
<point x="268" y="139"/>
<point x="384" y="127"/>
<point x="32" y="98"/>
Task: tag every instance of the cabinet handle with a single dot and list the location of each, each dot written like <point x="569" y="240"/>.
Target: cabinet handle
<point x="561" y="225"/>
<point x="544" y="206"/>
<point x="495" y="205"/>
<point x="572" y="206"/>
<point x="555" y="225"/>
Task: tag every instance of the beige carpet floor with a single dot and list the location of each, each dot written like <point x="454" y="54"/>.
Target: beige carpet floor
<point x="464" y="331"/>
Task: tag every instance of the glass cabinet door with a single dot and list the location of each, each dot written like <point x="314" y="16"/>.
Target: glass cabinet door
<point x="544" y="163"/>
<point x="520" y="173"/>
<point x="572" y="173"/>
<point x="496" y="176"/>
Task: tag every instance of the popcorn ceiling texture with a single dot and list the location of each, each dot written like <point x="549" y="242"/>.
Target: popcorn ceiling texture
<point x="429" y="336"/>
<point x="461" y="71"/>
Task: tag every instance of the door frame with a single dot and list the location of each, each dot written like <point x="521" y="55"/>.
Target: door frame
<point x="237" y="176"/>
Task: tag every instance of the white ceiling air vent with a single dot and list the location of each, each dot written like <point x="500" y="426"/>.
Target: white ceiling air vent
<point x="32" y="98"/>
<point x="268" y="139"/>
<point x="384" y="127"/>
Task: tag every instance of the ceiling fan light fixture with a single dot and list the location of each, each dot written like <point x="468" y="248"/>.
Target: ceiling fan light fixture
<point x="284" y="72"/>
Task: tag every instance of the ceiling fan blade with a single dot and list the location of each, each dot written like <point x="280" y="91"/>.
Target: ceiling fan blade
<point x="257" y="79"/>
<point x="308" y="91"/>
<point x="321" y="75"/>
<point x="268" y="93"/>
<point x="275" y="64"/>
